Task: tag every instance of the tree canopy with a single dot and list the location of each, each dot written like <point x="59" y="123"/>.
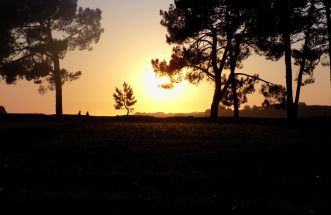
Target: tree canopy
<point x="42" y="37"/>
<point x="208" y="39"/>
<point x="124" y="99"/>
<point x="291" y="29"/>
<point x="218" y="35"/>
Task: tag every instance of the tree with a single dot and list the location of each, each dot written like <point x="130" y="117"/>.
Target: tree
<point x="281" y="26"/>
<point x="326" y="5"/>
<point x="124" y="99"/>
<point x="308" y="57"/>
<point x="239" y="21"/>
<point x="208" y="38"/>
<point x="8" y="19"/>
<point x="5" y="44"/>
<point x="274" y="31"/>
<point x="50" y="29"/>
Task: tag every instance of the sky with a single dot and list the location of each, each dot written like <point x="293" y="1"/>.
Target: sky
<point x="133" y="36"/>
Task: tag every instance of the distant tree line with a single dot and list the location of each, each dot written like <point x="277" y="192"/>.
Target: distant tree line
<point x="214" y="35"/>
<point x="35" y="36"/>
<point x="271" y="112"/>
<point x="253" y="111"/>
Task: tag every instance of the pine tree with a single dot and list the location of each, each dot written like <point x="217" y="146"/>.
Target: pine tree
<point x="41" y="39"/>
<point x="124" y="99"/>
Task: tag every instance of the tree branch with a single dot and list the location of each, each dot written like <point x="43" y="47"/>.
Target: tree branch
<point x="77" y="32"/>
<point x="256" y="78"/>
<point x="203" y="70"/>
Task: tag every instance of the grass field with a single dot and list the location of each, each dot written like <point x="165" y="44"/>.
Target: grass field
<point x="164" y="166"/>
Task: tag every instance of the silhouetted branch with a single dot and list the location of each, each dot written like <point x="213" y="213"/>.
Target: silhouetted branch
<point x="255" y="77"/>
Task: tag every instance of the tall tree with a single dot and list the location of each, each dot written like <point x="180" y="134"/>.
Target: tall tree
<point x="49" y="30"/>
<point x="208" y="38"/>
<point x="8" y="19"/>
<point x="192" y="28"/>
<point x="308" y="57"/>
<point x="327" y="9"/>
<point x="5" y="44"/>
<point x="124" y="99"/>
<point x="275" y="40"/>
<point x="239" y="21"/>
<point x="279" y="27"/>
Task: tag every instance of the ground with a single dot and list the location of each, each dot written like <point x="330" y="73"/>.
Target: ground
<point x="147" y="165"/>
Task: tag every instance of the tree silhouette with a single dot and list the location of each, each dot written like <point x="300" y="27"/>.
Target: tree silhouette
<point x="276" y="27"/>
<point x="124" y="99"/>
<point x="283" y="25"/>
<point x="5" y="46"/>
<point x="208" y="39"/>
<point x="192" y="28"/>
<point x="327" y="23"/>
<point x="308" y="57"/>
<point x="50" y="29"/>
<point x="8" y="19"/>
<point x="238" y="29"/>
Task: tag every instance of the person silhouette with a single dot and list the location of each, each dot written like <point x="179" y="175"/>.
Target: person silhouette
<point x="79" y="113"/>
<point x="3" y="110"/>
<point x="87" y="113"/>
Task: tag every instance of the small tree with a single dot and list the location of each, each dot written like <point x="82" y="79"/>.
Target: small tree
<point x="124" y="99"/>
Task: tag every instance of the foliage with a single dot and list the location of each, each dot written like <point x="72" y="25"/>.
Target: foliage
<point x="124" y="99"/>
<point x="281" y="27"/>
<point x="8" y="19"/>
<point x="326" y="30"/>
<point x="47" y="30"/>
<point x="244" y="86"/>
<point x="275" y="95"/>
<point x="208" y="38"/>
<point x="49" y="82"/>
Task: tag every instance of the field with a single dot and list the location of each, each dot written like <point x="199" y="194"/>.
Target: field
<point x="145" y="165"/>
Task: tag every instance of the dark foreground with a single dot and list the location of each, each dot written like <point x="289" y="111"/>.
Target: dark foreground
<point x="170" y="166"/>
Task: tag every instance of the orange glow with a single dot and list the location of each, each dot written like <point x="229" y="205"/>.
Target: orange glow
<point x="151" y="85"/>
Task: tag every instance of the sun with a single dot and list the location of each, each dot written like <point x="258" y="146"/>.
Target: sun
<point x="151" y="85"/>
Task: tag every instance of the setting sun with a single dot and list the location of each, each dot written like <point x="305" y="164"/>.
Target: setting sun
<point x="152" y="86"/>
<point x="153" y="98"/>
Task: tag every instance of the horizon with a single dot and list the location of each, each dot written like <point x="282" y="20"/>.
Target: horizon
<point x="222" y="108"/>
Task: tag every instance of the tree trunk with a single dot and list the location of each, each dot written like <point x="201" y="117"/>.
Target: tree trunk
<point x="235" y="96"/>
<point x="288" y="59"/>
<point x="58" y="86"/>
<point x="303" y="63"/>
<point x="216" y="98"/>
<point x="233" y="64"/>
<point x="289" y="90"/>
<point x="328" y="19"/>
<point x="219" y="92"/>
<point x="297" y="96"/>
<point x="56" y="74"/>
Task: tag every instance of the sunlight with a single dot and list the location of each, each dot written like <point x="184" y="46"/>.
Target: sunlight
<point x="152" y="87"/>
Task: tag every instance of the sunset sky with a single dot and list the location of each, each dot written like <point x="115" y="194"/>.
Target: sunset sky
<point x="133" y="36"/>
